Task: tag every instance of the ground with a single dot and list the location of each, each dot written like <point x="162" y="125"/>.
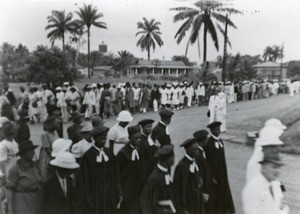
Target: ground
<point x="242" y="117"/>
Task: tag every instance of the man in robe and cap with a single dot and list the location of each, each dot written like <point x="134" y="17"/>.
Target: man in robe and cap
<point x="158" y="195"/>
<point x="188" y="179"/>
<point x="161" y="131"/>
<point x="132" y="173"/>
<point x="215" y="153"/>
<point x="258" y="194"/>
<point x="147" y="145"/>
<point x="98" y="176"/>
<point x="208" y="181"/>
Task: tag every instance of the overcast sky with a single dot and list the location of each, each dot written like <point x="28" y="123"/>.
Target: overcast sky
<point x="265" y="22"/>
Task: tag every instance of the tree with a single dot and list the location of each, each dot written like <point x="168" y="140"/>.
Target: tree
<point x="124" y="61"/>
<point x="204" y="13"/>
<point x="51" y="66"/>
<point x="150" y="34"/>
<point x="88" y="17"/>
<point x="184" y="59"/>
<point x="272" y="53"/>
<point x="59" y="23"/>
<point x="14" y="61"/>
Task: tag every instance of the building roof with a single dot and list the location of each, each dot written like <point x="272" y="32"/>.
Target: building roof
<point x="294" y="63"/>
<point x="103" y="68"/>
<point x="269" y="65"/>
<point x="160" y="64"/>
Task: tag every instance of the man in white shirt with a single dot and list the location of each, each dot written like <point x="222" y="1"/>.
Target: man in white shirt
<point x="90" y="102"/>
<point x="214" y="106"/>
<point x="258" y="194"/>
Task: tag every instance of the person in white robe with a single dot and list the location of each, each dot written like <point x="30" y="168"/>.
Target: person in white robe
<point x="222" y="111"/>
<point x="214" y="106"/>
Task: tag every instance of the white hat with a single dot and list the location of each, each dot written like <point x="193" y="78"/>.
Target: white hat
<point x="124" y="116"/>
<point x="66" y="83"/>
<point x="119" y="85"/>
<point x="58" y="89"/>
<point x="65" y="160"/>
<point x="60" y="145"/>
<point x="94" y="85"/>
<point x="274" y="122"/>
<point x="86" y="126"/>
<point x="168" y="85"/>
<point x="269" y="136"/>
<point x="3" y="120"/>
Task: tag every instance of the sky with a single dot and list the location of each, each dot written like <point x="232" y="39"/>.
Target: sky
<point x="263" y="23"/>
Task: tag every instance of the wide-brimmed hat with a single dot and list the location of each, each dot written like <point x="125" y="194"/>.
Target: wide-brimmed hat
<point x="275" y="123"/>
<point x="50" y="123"/>
<point x="124" y="116"/>
<point x="65" y="160"/>
<point x="60" y="145"/>
<point x="26" y="146"/>
<point x="100" y="131"/>
<point x="201" y="134"/>
<point x="189" y="142"/>
<point x="269" y="136"/>
<point x="96" y="120"/>
<point x="3" y="120"/>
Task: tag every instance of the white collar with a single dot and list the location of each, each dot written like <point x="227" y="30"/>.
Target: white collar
<point x="163" y="123"/>
<point x="214" y="137"/>
<point x="188" y="157"/>
<point x="162" y="168"/>
<point x="199" y="147"/>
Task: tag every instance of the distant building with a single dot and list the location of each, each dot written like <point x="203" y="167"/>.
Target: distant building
<point x="271" y="70"/>
<point x="102" y="70"/>
<point x="159" y="68"/>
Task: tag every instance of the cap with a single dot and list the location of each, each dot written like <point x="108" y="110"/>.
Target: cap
<point x="188" y="142"/>
<point x="124" y="116"/>
<point x="58" y="89"/>
<point x="165" y="151"/>
<point x="94" y="85"/>
<point x="272" y="158"/>
<point x="96" y="120"/>
<point x="86" y="126"/>
<point x="100" y="131"/>
<point x="145" y="122"/>
<point x="166" y="113"/>
<point x="201" y="134"/>
<point x="133" y="130"/>
<point x="214" y="124"/>
<point x="66" y="83"/>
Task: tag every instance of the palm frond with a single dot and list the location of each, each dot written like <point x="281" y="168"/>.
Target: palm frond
<point x="212" y="31"/>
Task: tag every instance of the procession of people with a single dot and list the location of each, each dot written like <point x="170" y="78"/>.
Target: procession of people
<point x="128" y="168"/>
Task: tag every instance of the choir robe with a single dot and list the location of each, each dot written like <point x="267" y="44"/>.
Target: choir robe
<point x="188" y="187"/>
<point x="157" y="190"/>
<point x="222" y="198"/>
<point x="100" y="183"/>
<point x="148" y="152"/>
<point x="132" y="178"/>
<point x="159" y="133"/>
<point x="208" y="179"/>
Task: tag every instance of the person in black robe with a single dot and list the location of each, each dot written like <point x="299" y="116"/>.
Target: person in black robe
<point x="148" y="148"/>
<point x="158" y="195"/>
<point x="73" y="131"/>
<point x="215" y="153"/>
<point x="188" y="180"/>
<point x="98" y="177"/>
<point x="161" y="131"/>
<point x="131" y="171"/>
<point x="208" y="181"/>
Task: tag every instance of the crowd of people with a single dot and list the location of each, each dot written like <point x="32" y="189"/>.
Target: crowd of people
<point x="107" y="99"/>
<point x="122" y="169"/>
<point x="127" y="168"/>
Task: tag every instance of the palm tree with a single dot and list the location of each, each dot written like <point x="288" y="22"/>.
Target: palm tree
<point x="228" y="12"/>
<point x="124" y="61"/>
<point x="203" y="14"/>
<point x="150" y="35"/>
<point x="268" y="53"/>
<point x="59" y="23"/>
<point x="88" y="16"/>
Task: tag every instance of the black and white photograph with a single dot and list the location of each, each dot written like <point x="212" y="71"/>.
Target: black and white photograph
<point x="149" y="106"/>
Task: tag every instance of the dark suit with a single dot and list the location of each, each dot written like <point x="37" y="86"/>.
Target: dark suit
<point x="53" y="200"/>
<point x="159" y="133"/>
